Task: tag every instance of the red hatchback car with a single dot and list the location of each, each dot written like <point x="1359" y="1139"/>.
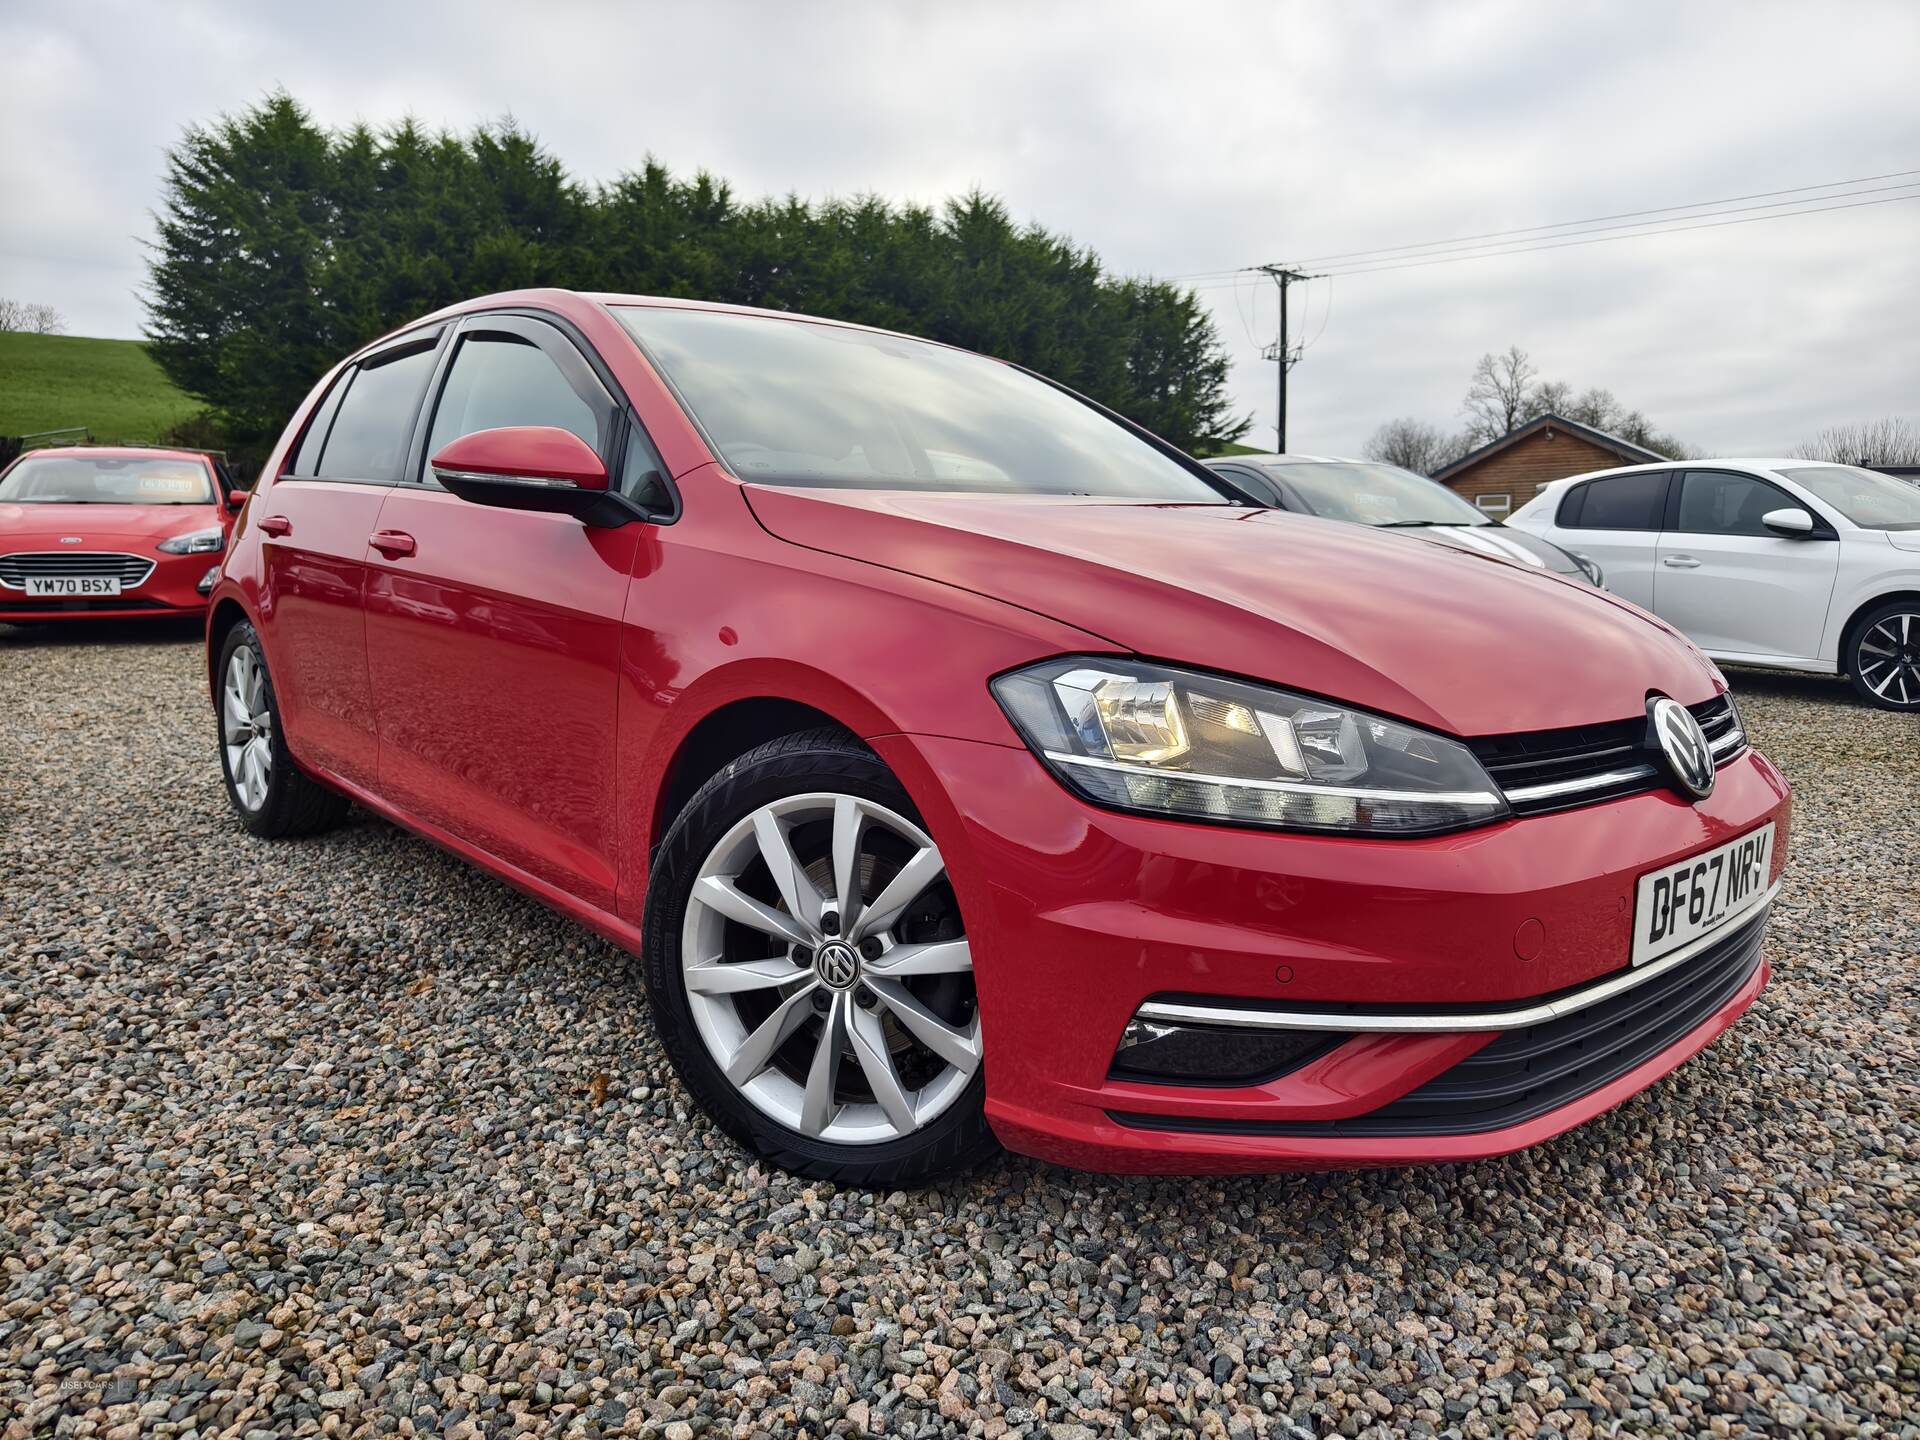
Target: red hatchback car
<point x="110" y="530"/>
<point x="966" y="765"/>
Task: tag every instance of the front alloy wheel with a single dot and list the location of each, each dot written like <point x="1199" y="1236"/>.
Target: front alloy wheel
<point x="820" y="964"/>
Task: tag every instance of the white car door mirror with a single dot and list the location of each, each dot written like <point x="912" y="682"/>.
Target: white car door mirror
<point x="1791" y="523"/>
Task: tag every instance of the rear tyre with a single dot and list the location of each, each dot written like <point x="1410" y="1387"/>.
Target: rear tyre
<point x="1883" y="656"/>
<point x="271" y="796"/>
<point x="810" y="972"/>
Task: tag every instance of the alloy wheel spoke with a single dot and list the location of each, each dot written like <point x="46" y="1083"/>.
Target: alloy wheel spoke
<point x="757" y="1050"/>
<point x="720" y="894"/>
<point x="939" y="957"/>
<point x="803" y="901"/>
<point x="869" y="1043"/>
<point x="847" y="821"/>
<point x="734" y="977"/>
<point x="817" y="1105"/>
<point x="239" y="718"/>
<point x="950" y="1042"/>
<point x="901" y="891"/>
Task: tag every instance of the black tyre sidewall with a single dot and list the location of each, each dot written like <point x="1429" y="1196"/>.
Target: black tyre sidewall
<point x="819" y="761"/>
<point x="1859" y="633"/>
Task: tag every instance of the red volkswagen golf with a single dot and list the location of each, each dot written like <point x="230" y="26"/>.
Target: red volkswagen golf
<point x="93" y="531"/>
<point x="966" y="766"/>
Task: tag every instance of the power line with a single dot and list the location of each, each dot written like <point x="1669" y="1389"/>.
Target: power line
<point x="1390" y="251"/>
<point x="1623" y="215"/>
<point x="1609" y="239"/>
<point x="1708" y="222"/>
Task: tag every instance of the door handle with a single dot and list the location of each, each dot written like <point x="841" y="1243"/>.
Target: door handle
<point x="275" y="525"/>
<point x="1680" y="562"/>
<point x="391" y="543"/>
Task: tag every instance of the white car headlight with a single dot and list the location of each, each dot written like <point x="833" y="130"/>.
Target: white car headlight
<point x="1150" y="738"/>
<point x="195" y="542"/>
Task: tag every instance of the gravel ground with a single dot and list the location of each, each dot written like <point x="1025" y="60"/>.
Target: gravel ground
<point x="341" y="1137"/>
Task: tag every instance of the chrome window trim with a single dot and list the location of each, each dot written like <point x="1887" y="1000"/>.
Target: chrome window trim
<point x="1414" y="1022"/>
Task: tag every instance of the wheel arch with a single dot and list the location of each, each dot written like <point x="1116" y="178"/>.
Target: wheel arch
<point x="225" y="613"/>
<point x="1848" y="631"/>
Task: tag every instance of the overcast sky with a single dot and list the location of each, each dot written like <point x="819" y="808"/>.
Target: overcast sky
<point x="1173" y="139"/>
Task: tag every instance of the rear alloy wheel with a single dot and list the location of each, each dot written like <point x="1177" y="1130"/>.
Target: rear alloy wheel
<point x="811" y="973"/>
<point x="272" y="797"/>
<point x="1885" y="658"/>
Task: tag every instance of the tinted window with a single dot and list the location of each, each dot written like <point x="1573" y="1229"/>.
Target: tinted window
<point x="369" y="437"/>
<point x="1716" y="502"/>
<point x="306" y="460"/>
<point x="791" y="402"/>
<point x="1260" y="490"/>
<point x="1374" y="494"/>
<point x="1626" y="502"/>
<point x="500" y="379"/>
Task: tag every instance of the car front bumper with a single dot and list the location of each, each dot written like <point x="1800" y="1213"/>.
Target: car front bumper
<point x="170" y="591"/>
<point x="1078" y="917"/>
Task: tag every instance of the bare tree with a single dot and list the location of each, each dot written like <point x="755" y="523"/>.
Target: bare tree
<point x="1415" y="445"/>
<point x="1498" y="396"/>
<point x="24" y="318"/>
<point x="1892" y="441"/>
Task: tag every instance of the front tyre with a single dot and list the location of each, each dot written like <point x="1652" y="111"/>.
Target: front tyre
<point x="1884" y="656"/>
<point x="271" y="796"/>
<point x="810" y="972"/>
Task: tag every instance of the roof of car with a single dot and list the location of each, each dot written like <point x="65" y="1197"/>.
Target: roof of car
<point x="1743" y="462"/>
<point x="120" y="452"/>
<point x="1290" y="457"/>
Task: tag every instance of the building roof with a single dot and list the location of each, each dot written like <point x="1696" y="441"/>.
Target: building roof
<point x="1629" y="452"/>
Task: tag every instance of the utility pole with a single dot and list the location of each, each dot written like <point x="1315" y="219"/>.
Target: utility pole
<point x="1282" y="276"/>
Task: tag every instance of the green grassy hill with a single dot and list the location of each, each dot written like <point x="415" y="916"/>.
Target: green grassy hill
<point x="112" y="387"/>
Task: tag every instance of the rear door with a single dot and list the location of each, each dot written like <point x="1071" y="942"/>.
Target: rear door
<point x="314" y="521"/>
<point x="1733" y="586"/>
<point x="1616" y="520"/>
<point x="493" y="635"/>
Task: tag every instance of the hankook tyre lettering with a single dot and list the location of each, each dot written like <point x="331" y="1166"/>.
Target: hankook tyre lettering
<point x="966" y="767"/>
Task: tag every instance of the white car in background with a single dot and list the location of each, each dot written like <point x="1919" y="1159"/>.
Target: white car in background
<point x="1792" y="564"/>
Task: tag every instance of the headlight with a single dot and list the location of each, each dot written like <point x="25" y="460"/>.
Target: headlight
<point x="1145" y="737"/>
<point x="1590" y="569"/>
<point x="195" y="542"/>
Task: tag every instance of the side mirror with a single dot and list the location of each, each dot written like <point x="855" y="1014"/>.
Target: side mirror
<point x="236" y="501"/>
<point x="1789" y="522"/>
<point x="530" y="467"/>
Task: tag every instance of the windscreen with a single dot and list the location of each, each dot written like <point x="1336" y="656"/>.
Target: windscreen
<point x="106" y="480"/>
<point x="1375" y="494"/>
<point x="788" y="402"/>
<point x="1866" y="497"/>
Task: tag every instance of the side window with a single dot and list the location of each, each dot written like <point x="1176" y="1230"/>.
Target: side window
<point x="306" y="457"/>
<point x="501" y="378"/>
<point x="1625" y="502"/>
<point x="1259" y="488"/>
<point x="374" y="422"/>
<point x="1716" y="502"/>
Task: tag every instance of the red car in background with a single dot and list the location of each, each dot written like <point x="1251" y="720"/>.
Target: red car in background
<point x="965" y="764"/>
<point x="97" y="530"/>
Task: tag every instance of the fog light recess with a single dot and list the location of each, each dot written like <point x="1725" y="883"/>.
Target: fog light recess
<point x="1161" y="1054"/>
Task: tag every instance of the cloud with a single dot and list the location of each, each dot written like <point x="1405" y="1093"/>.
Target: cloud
<point x="1173" y="140"/>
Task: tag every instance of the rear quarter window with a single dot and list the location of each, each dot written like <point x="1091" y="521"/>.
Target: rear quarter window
<point x="1621" y="502"/>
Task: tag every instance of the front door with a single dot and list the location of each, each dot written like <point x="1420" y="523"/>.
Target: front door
<point x="1732" y="586"/>
<point x="493" y="635"/>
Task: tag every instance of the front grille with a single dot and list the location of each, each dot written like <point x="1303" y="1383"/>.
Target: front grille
<point x="131" y="570"/>
<point x="1555" y="769"/>
<point x="1525" y="1073"/>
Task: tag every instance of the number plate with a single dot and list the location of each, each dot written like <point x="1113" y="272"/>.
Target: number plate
<point x="1677" y="904"/>
<point x="73" y="587"/>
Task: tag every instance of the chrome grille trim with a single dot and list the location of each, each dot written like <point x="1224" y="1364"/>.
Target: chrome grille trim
<point x="1430" y="1022"/>
<point x="130" y="570"/>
